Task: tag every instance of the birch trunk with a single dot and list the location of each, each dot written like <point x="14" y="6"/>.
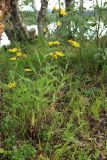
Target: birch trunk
<point x="41" y="19"/>
<point x="19" y="27"/>
<point x="68" y="3"/>
<point x="81" y="5"/>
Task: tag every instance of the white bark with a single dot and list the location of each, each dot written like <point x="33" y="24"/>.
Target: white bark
<point x="68" y="3"/>
<point x="41" y="19"/>
<point x="81" y="5"/>
<point x="18" y="25"/>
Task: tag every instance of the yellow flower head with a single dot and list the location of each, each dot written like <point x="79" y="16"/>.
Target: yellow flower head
<point x="13" y="59"/>
<point x="74" y="43"/>
<point x="54" y="8"/>
<point x="60" y="54"/>
<point x="56" y="54"/>
<point x="19" y="54"/>
<point x="50" y="43"/>
<point x="58" y="24"/>
<point x="53" y="55"/>
<point x="27" y="70"/>
<point x="62" y="12"/>
<point x="13" y="50"/>
<point x="54" y="43"/>
<point x="12" y="85"/>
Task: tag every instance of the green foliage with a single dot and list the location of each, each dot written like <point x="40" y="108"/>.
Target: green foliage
<point x="29" y="17"/>
<point x="23" y="152"/>
<point x="55" y="108"/>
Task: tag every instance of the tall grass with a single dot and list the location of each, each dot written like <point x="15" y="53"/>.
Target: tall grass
<point x="57" y="110"/>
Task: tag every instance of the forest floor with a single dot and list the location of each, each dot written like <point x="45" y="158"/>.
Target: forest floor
<point x="52" y="108"/>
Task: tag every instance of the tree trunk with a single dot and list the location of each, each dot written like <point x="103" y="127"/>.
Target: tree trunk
<point x="81" y="5"/>
<point x="68" y="3"/>
<point x="19" y="27"/>
<point x="41" y="19"/>
<point x="4" y="11"/>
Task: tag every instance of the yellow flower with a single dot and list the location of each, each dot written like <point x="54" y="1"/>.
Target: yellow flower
<point x="58" y="24"/>
<point x="50" y="43"/>
<point x="56" y="54"/>
<point x="74" y="43"/>
<point x="54" y="8"/>
<point x="12" y="85"/>
<point x="27" y="70"/>
<point x="13" y="50"/>
<point x="53" y="55"/>
<point x="60" y="54"/>
<point x="62" y="12"/>
<point x="13" y="59"/>
<point x="54" y="43"/>
<point x="19" y="54"/>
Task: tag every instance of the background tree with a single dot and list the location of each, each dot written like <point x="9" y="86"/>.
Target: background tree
<point x="16" y="28"/>
<point x="41" y="18"/>
<point x="18" y="25"/>
<point x="68" y="3"/>
<point x="5" y="7"/>
<point x="81" y="5"/>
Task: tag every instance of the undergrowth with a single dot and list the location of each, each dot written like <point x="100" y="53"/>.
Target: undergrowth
<point x="57" y="110"/>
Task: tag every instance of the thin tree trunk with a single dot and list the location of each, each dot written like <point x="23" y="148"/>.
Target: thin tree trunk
<point x="81" y="7"/>
<point x="68" y="3"/>
<point x="41" y="19"/>
<point x="19" y="27"/>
